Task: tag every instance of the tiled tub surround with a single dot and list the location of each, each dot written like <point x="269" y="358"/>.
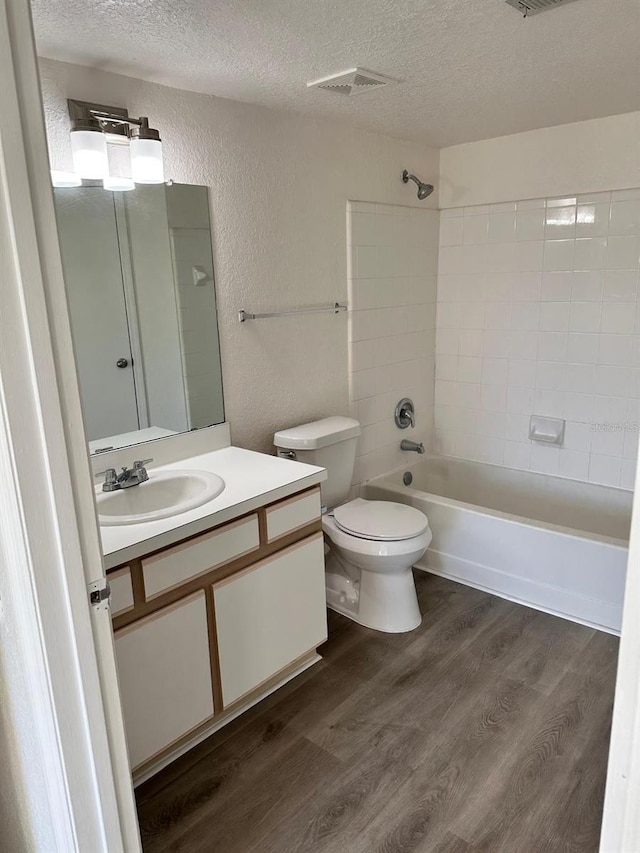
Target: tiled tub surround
<point x="538" y="313"/>
<point x="393" y="260"/>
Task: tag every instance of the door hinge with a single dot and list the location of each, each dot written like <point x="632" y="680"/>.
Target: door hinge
<point x="99" y="593"/>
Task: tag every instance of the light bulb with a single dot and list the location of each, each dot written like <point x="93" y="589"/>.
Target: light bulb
<point x="118" y="185"/>
<point x="65" y="179"/>
<point x="89" y="149"/>
<point x="146" y="161"/>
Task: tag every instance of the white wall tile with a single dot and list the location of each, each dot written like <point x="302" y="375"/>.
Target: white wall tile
<point x="585" y="317"/>
<point x="556" y="286"/>
<point x="392" y="324"/>
<point x="625" y="218"/>
<point x="592" y="220"/>
<point x="618" y="318"/>
<point x="590" y="253"/>
<point x="620" y="285"/>
<point x="530" y="225"/>
<point x="623" y="253"/>
<point x="502" y="227"/>
<point x="558" y="255"/>
<point x="451" y="232"/>
<point x="547" y="321"/>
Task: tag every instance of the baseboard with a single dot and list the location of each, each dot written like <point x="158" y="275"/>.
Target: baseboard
<point x="593" y="613"/>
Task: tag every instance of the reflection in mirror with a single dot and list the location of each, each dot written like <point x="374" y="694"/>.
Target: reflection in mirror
<point x="139" y="275"/>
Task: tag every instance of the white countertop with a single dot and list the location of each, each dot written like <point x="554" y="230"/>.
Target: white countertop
<point x="252" y="480"/>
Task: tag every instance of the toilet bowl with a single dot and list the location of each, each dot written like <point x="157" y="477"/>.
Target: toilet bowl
<point x="371" y="546"/>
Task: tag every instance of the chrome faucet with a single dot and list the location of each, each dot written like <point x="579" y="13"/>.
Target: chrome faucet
<point x="405" y="444"/>
<point x="405" y="414"/>
<point x="127" y="478"/>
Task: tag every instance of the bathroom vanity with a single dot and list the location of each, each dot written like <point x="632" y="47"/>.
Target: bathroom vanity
<point x="216" y="561"/>
<point x="216" y="608"/>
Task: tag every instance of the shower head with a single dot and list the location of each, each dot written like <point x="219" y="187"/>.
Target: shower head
<point x="424" y="190"/>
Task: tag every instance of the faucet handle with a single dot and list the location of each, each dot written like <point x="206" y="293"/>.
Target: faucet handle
<point x="405" y="414"/>
<point x="108" y="473"/>
<point x="141" y="463"/>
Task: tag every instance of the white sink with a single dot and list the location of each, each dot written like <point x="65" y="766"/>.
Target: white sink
<point x="164" y="494"/>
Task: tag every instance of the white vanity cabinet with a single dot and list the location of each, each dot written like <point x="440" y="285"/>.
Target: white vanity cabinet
<point x="206" y="627"/>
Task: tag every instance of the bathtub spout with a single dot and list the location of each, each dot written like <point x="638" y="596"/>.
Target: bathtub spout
<point x="405" y="444"/>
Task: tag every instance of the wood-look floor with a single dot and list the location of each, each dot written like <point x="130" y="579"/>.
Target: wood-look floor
<point x="486" y="729"/>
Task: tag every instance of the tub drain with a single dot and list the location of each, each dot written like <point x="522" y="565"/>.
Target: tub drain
<point x="407" y="478"/>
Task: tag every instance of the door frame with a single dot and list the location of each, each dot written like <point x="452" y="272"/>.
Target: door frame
<point x="61" y="714"/>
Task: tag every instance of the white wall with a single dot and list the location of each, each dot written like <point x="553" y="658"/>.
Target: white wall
<point x="279" y="187"/>
<point x="393" y="262"/>
<point x="583" y="157"/>
<point x="538" y="312"/>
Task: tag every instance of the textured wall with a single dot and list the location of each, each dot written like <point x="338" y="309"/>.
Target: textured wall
<point x="393" y="263"/>
<point x="538" y="312"/>
<point x="279" y="187"/>
<point x="583" y="157"/>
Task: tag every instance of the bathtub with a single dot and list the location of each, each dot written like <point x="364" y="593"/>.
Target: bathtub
<point x="551" y="543"/>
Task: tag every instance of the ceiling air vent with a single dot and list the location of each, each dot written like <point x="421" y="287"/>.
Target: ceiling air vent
<point x="532" y="7"/>
<point x="352" y="82"/>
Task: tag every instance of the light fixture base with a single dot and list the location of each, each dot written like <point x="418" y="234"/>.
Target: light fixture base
<point x="85" y="111"/>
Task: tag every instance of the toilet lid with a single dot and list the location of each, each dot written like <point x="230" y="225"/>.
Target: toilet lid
<point x="381" y="520"/>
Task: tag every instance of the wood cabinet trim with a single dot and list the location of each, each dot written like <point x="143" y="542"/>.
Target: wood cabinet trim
<point x="214" y="655"/>
<point x="161" y="611"/>
<point x="137" y="581"/>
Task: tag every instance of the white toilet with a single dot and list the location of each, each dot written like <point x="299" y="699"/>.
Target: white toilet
<point x="372" y="545"/>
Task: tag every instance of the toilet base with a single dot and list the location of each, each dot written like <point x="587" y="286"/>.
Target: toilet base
<point x="384" y="602"/>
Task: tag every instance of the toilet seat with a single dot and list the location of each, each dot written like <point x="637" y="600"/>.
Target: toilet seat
<point x="381" y="521"/>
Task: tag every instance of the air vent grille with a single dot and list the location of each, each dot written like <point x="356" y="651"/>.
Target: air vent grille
<point x="532" y="7"/>
<point x="352" y="82"/>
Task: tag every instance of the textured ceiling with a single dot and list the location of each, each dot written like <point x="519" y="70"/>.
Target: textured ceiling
<point x="469" y="69"/>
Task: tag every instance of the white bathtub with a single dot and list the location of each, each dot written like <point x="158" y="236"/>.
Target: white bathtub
<point x="554" y="544"/>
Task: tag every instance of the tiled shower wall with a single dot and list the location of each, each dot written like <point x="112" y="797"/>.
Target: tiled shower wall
<point x="393" y="260"/>
<point x="538" y="313"/>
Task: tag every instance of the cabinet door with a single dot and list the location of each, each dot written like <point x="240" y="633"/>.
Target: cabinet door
<point x="269" y="615"/>
<point x="164" y="671"/>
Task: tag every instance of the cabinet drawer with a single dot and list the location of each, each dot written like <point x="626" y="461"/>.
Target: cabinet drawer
<point x="121" y="591"/>
<point x="292" y="514"/>
<point x="176" y="565"/>
<point x="269" y="615"/>
<point x="164" y="670"/>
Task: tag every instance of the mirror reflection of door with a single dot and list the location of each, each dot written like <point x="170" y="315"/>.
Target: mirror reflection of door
<point x="93" y="272"/>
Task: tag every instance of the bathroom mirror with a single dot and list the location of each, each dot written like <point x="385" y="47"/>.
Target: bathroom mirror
<point x="140" y="284"/>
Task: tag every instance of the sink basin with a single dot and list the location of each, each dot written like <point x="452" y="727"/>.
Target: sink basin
<point x="165" y="494"/>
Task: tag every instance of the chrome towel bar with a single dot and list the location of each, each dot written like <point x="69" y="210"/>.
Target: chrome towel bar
<point x="336" y="308"/>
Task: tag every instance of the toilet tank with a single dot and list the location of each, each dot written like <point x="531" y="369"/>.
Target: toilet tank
<point x="329" y="443"/>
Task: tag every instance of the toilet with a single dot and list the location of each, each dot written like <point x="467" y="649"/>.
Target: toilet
<point x="371" y="545"/>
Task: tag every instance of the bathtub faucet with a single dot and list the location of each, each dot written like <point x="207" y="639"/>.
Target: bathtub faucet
<point x="405" y="444"/>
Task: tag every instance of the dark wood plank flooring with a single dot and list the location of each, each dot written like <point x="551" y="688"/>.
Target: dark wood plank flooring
<point x="487" y="729"/>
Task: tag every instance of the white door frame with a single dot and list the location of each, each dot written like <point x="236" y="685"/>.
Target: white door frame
<point x="70" y="782"/>
<point x="621" y="819"/>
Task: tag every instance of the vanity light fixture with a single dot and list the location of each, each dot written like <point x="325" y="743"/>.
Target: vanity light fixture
<point x="118" y="185"/>
<point x="89" y="148"/>
<point x="93" y="125"/>
<point x="65" y="179"/>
